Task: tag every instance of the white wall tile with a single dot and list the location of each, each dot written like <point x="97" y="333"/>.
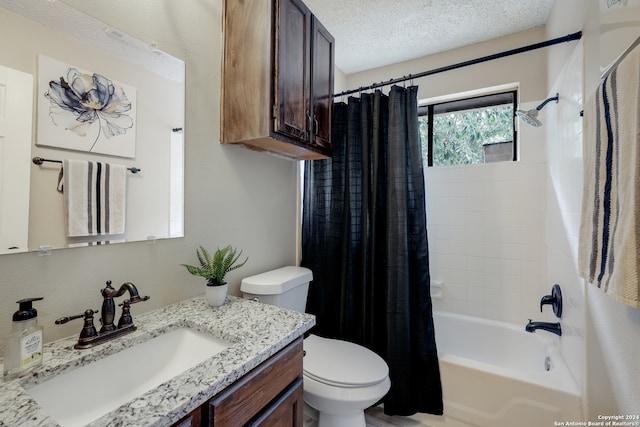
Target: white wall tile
<point x="487" y="236"/>
<point x="564" y="198"/>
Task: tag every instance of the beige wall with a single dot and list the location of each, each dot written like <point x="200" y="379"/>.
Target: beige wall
<point x="232" y="195"/>
<point x="340" y="81"/>
<point x="527" y="68"/>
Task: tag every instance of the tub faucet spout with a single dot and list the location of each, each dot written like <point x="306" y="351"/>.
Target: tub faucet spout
<point x="545" y="326"/>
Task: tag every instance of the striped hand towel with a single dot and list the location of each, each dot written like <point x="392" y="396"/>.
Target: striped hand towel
<point x="609" y="251"/>
<point x="94" y="197"/>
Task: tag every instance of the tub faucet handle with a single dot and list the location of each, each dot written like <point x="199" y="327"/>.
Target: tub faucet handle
<point x="547" y="299"/>
<point x="555" y="300"/>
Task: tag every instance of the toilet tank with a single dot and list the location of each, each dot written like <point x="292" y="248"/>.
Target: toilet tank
<point x="284" y="287"/>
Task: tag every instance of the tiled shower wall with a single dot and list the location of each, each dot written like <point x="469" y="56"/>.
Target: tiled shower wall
<point x="501" y="234"/>
<point x="486" y="227"/>
<point x="564" y="199"/>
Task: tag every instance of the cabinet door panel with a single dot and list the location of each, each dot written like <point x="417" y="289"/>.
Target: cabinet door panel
<point x="322" y="84"/>
<point x="194" y="419"/>
<point x="286" y="411"/>
<point x="246" y="398"/>
<point x="292" y="75"/>
<point x="245" y="99"/>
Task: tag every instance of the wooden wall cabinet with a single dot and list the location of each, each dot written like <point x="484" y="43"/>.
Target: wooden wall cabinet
<point x="277" y="79"/>
<point x="271" y="395"/>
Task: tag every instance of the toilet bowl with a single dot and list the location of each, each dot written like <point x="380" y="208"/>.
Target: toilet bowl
<point x="341" y="379"/>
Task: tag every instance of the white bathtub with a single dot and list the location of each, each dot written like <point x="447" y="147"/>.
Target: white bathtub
<point x="493" y="375"/>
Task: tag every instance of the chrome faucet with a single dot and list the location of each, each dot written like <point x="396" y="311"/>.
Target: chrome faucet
<point x="545" y="326"/>
<point x="89" y="337"/>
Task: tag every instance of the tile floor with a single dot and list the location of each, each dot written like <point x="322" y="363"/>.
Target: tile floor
<point x="375" y="418"/>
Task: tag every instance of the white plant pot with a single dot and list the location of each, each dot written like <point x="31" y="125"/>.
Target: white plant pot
<point x="216" y="295"/>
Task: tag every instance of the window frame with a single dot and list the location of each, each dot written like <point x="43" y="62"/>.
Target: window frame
<point x="429" y="109"/>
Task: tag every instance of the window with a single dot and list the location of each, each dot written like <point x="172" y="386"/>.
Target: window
<point x="469" y="131"/>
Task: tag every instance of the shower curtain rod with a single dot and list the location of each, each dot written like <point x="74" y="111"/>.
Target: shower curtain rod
<point x="567" y="38"/>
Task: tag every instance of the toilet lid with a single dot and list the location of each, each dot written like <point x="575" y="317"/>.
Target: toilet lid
<point x="342" y="363"/>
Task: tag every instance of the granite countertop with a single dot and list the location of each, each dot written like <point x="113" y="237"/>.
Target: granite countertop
<point x="257" y="331"/>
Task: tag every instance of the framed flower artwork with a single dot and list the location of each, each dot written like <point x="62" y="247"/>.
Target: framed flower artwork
<point x="84" y="111"/>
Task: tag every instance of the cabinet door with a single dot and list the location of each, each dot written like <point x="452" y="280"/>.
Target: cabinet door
<point x="322" y="51"/>
<point x="292" y="57"/>
<point x="247" y="398"/>
<point x="194" y="419"/>
<point x="286" y="411"/>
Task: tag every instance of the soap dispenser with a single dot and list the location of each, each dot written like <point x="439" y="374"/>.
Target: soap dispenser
<point x="23" y="350"/>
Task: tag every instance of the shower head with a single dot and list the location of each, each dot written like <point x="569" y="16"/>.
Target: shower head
<point x="531" y="117"/>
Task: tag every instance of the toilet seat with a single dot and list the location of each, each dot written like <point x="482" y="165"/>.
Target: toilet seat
<point x="341" y="363"/>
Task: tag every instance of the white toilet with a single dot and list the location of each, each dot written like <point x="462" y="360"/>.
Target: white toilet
<point x="341" y="379"/>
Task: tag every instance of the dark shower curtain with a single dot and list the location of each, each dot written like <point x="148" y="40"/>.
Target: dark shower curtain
<point x="364" y="236"/>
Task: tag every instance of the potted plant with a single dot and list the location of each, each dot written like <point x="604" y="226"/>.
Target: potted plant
<point x="214" y="269"/>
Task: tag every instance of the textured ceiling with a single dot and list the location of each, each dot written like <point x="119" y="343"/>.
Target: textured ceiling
<point x="374" y="33"/>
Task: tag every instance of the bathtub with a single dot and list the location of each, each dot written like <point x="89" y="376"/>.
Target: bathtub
<point x="495" y="374"/>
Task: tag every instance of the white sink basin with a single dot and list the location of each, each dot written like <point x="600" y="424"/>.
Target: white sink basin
<point x="89" y="392"/>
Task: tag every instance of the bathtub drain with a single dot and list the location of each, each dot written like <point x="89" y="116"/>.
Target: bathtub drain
<point x="547" y="363"/>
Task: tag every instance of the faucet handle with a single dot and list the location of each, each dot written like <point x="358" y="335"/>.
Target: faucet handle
<point x="547" y="299"/>
<point x="125" y="317"/>
<point x="555" y="299"/>
<point x="63" y="320"/>
<point x="88" y="331"/>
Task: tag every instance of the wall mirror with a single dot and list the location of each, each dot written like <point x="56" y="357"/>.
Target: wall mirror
<point x="39" y="33"/>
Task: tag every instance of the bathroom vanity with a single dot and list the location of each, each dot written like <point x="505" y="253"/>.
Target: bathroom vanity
<point x="270" y="395"/>
<point x="256" y="379"/>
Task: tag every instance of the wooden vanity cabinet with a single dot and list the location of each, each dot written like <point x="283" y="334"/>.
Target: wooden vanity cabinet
<point x="277" y="79"/>
<point x="194" y="419"/>
<point x="271" y="395"/>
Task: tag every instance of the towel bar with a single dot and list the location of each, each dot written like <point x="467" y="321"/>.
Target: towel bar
<point x="40" y="160"/>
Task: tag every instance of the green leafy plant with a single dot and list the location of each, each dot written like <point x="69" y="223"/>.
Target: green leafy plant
<point x="215" y="268"/>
